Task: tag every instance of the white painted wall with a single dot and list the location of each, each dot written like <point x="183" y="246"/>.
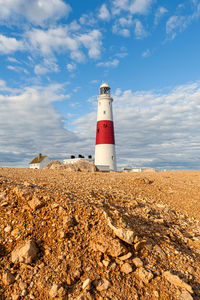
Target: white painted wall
<point x="105" y="155"/>
<point x="41" y="165"/>
<point x="104" y="111"/>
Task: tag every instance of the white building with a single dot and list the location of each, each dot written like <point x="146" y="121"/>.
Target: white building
<point x="39" y="162"/>
<point x="105" y="158"/>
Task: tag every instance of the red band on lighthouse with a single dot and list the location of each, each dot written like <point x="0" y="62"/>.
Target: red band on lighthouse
<point x="105" y="132"/>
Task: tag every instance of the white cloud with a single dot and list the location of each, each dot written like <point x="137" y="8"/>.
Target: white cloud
<point x="95" y="81"/>
<point x="175" y="24"/>
<point x="139" y="30"/>
<point x="17" y="69"/>
<point x="179" y="23"/>
<point x="47" y="66"/>
<point x="61" y="39"/>
<point x="146" y="53"/>
<point x="121" y="31"/>
<point x="108" y="64"/>
<point x="35" y="11"/>
<point x="140" y="6"/>
<point x="2" y="85"/>
<point x="71" y="67"/>
<point x="104" y="13"/>
<point x="9" y="44"/>
<point x="159" y="14"/>
<point x="13" y="60"/>
<point x="122" y="25"/>
<point x="92" y="41"/>
<point x="88" y="20"/>
<point x="154" y="129"/>
<point x="121" y="54"/>
<point x="132" y="6"/>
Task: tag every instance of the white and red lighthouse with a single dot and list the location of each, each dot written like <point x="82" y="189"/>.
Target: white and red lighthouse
<point x="105" y="158"/>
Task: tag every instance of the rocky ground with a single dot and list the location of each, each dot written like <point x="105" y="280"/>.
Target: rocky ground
<point x="79" y="235"/>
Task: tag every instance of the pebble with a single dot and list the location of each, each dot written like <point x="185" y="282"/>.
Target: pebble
<point x="126" y="268"/>
<point x="144" y="275"/>
<point x="24" y="293"/>
<point x="25" y="253"/>
<point x="8" y="278"/>
<point x="8" y="229"/>
<point x="54" y="290"/>
<point x="137" y="262"/>
<point x="86" y="284"/>
<point x="103" y="285"/>
<point x="126" y="256"/>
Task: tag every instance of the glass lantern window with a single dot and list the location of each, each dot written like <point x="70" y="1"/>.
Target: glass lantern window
<point x="105" y="90"/>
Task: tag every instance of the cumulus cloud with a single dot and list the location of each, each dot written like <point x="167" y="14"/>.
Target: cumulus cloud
<point x="121" y="31"/>
<point x="92" y="41"/>
<point x="132" y="6"/>
<point x="47" y="66"/>
<point x="71" y="67"/>
<point x="154" y="129"/>
<point x="161" y="11"/>
<point x="122" y="25"/>
<point x="104" y="13"/>
<point x="139" y="30"/>
<point x="61" y="39"/>
<point x="29" y="124"/>
<point x="9" y="44"/>
<point x="108" y="64"/>
<point x="146" y="53"/>
<point x="35" y="11"/>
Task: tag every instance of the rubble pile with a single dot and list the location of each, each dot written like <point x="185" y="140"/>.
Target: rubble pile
<point x="79" y="235"/>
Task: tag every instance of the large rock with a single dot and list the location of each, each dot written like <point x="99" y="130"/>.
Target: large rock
<point x="108" y="245"/>
<point x="8" y="278"/>
<point x="185" y="295"/>
<point x="103" y="285"/>
<point x="143" y="275"/>
<point x="35" y="203"/>
<point x="126" y="235"/>
<point x="175" y="280"/>
<point x="126" y="268"/>
<point x="25" y="253"/>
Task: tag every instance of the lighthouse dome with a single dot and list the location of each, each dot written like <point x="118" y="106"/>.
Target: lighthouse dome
<point x="104" y="89"/>
<point x="104" y="85"/>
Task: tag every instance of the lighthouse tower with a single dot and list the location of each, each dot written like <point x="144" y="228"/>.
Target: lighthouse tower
<point x="105" y="158"/>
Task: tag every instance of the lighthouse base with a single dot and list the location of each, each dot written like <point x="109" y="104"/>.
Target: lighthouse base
<point x="105" y="157"/>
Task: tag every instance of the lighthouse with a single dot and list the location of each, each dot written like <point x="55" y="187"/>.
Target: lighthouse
<point x="105" y="158"/>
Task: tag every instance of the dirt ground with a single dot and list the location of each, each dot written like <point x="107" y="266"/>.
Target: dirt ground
<point x="99" y="235"/>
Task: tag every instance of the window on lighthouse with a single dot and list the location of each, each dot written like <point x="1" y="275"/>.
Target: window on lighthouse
<point x="105" y="90"/>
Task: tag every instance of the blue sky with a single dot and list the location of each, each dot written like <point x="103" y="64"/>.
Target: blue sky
<point x="55" y="54"/>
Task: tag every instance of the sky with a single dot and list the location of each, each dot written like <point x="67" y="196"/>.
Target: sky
<point x="55" y="54"/>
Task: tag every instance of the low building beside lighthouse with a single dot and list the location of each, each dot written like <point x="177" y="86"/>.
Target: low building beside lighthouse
<point x="105" y="158"/>
<point x="39" y="162"/>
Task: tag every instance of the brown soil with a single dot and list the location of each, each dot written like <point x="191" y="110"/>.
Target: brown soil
<point x="75" y="242"/>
